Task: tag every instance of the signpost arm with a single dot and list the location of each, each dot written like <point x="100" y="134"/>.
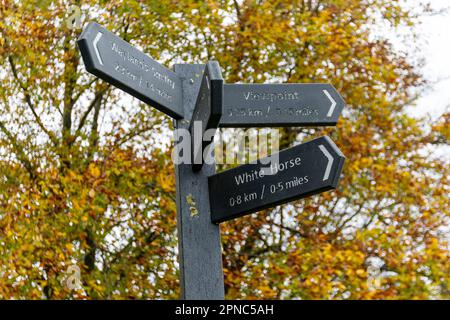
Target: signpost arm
<point x="200" y="251"/>
<point x="207" y="112"/>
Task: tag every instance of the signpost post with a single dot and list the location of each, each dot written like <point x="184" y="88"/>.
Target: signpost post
<point x="196" y="95"/>
<point x="200" y="251"/>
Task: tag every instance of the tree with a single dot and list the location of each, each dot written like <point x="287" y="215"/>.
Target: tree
<point x="85" y="181"/>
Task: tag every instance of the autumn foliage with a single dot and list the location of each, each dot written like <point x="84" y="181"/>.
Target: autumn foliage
<point x="86" y="177"/>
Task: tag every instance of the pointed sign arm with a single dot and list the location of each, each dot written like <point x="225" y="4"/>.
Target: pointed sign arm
<point x="303" y="170"/>
<point x="116" y="61"/>
<point x="280" y="105"/>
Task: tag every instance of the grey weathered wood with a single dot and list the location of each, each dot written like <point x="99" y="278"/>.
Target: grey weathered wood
<point x="200" y="252"/>
<point x="207" y="112"/>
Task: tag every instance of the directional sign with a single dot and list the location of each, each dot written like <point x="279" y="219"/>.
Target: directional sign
<point x="207" y="112"/>
<point x="117" y="62"/>
<point x="280" y="105"/>
<point x="306" y="169"/>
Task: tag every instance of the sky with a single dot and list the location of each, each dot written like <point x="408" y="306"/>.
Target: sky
<point x="434" y="46"/>
<point x="431" y="45"/>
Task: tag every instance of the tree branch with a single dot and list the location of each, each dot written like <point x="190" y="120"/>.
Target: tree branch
<point x="98" y="97"/>
<point x="88" y="85"/>
<point x="238" y="10"/>
<point x="30" y="103"/>
<point x="292" y="230"/>
<point x="20" y="153"/>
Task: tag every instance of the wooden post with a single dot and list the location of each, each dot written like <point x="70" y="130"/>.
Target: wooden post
<point x="200" y="251"/>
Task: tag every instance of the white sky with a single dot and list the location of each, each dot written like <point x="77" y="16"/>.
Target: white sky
<point x="434" y="47"/>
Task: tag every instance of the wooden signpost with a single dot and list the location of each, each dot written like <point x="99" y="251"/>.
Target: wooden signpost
<point x="199" y="101"/>
<point x="199" y="246"/>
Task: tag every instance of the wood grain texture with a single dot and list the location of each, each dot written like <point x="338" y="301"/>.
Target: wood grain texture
<point x="200" y="251"/>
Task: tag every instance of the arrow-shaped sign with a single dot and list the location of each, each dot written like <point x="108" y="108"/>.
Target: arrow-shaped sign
<point x="279" y="105"/>
<point x="116" y="61"/>
<point x="306" y="169"/>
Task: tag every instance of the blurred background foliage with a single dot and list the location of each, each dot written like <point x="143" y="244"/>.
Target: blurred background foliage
<point x="85" y="179"/>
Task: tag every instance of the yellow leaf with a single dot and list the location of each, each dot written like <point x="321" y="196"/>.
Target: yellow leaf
<point x="94" y="171"/>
